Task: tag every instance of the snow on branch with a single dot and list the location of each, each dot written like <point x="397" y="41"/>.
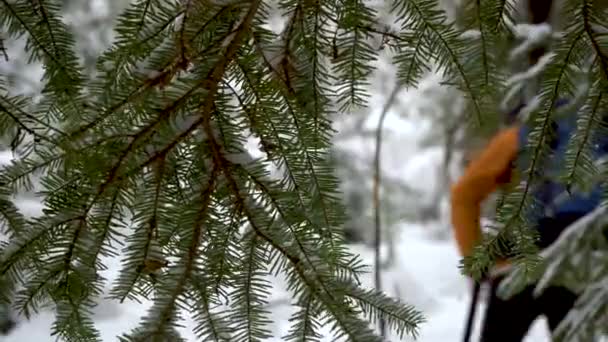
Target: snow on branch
<point x="564" y="253"/>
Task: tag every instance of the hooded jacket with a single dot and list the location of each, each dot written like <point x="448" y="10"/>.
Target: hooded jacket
<point x="488" y="171"/>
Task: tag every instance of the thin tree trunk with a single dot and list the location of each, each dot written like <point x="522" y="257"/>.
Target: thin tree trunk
<point x="376" y="199"/>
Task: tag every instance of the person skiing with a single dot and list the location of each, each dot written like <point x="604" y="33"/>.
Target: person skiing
<point x="509" y="320"/>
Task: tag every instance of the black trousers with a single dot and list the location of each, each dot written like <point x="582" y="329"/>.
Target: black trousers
<point x="509" y="321"/>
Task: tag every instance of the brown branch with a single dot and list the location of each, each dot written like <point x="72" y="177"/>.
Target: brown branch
<point x="21" y="124"/>
<point x="38" y="44"/>
<point x="168" y="71"/>
<point x="596" y="46"/>
<point x="225" y="166"/>
<point x="165" y="314"/>
<point x="68" y="255"/>
<point x="298" y="131"/>
<point x="214" y="78"/>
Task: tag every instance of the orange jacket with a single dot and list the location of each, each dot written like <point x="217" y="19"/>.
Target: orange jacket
<point x="486" y="172"/>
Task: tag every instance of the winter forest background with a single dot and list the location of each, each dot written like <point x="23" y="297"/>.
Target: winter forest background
<point x="425" y="143"/>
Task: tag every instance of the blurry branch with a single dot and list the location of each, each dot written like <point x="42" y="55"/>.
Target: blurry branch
<point x="376" y="190"/>
<point x="3" y="49"/>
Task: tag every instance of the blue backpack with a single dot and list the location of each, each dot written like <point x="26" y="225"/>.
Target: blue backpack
<point x="557" y="207"/>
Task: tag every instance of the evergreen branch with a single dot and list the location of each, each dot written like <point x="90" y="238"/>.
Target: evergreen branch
<point x="285" y="217"/>
<point x="70" y="75"/>
<point x="182" y="30"/>
<point x="220" y="160"/>
<point x="295" y="260"/>
<point x="70" y="252"/>
<point x="249" y="290"/>
<point x="3" y="50"/>
<point x="46" y="22"/>
<point x="39" y="44"/>
<point x="137" y="44"/>
<point x="484" y="56"/>
<point x="500" y="14"/>
<point x="28" y="296"/>
<point x="161" y="154"/>
<point x="23" y="125"/>
<point x="141" y="267"/>
<point x="218" y="331"/>
<point x="214" y="77"/>
<point x="544" y="132"/>
<point x="178" y="288"/>
<point x="168" y="76"/>
<point x="315" y="70"/>
<point x="287" y="39"/>
<point x="260" y="184"/>
<point x="106" y="224"/>
<point x="309" y="162"/>
<point x="29" y="116"/>
<point x="387" y="309"/>
<point x="444" y="35"/>
<point x="586" y="11"/>
<point x="298" y="130"/>
<point x="369" y="28"/>
<point x="169" y="69"/>
<point x="413" y="72"/>
<point x="7" y="178"/>
<point x="149" y="129"/>
<point x="143" y="15"/>
<point x="585" y="141"/>
<point x="10" y="214"/>
<point x="330" y="301"/>
<point x="22" y="244"/>
<point x="224" y="253"/>
<point x="305" y="329"/>
<point x="148" y="84"/>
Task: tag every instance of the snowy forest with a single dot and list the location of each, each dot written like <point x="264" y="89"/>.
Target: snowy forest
<point x="282" y="170"/>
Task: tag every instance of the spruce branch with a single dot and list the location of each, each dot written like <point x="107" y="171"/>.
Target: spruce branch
<point x="444" y="40"/>
<point x="588" y="16"/>
<point x="22" y="125"/>
<point x="178" y="63"/>
<point x="3" y="50"/>
<point x="166" y="312"/>
<point x="585" y="140"/>
<point x="484" y="53"/>
<point x="54" y="55"/>
<point x="156" y="149"/>
<point x="316" y="285"/>
<point x="293" y="113"/>
<point x="544" y="131"/>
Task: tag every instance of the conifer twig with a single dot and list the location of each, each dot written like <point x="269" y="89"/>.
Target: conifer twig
<point x="376" y="194"/>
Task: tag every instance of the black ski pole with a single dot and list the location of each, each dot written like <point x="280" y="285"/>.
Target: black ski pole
<point x="474" y="298"/>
